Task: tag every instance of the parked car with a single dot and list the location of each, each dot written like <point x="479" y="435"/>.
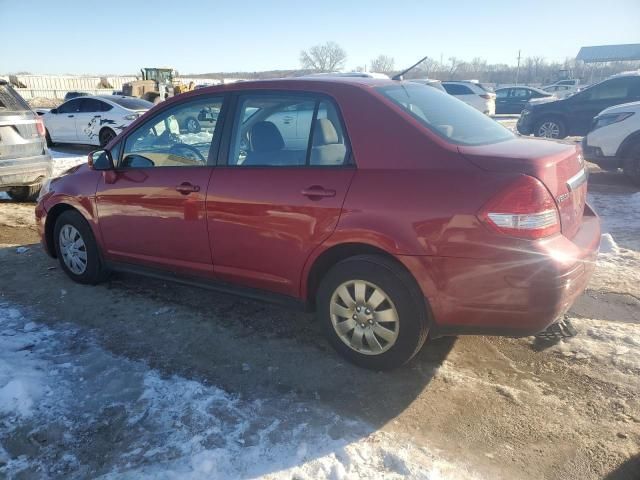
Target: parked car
<point x="92" y="120"/>
<point x="473" y="93"/>
<point x="573" y="83"/>
<point x="437" y="84"/>
<point x="514" y="99"/>
<point x="74" y="94"/>
<point x="573" y="115"/>
<point x="614" y="140"/>
<point x="560" y="91"/>
<point x="24" y="159"/>
<point x="406" y="213"/>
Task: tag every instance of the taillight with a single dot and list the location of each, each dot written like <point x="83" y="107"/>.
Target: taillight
<point x="40" y="127"/>
<point x="524" y="209"/>
<point x="486" y="96"/>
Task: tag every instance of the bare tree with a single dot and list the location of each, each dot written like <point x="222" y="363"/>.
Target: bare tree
<point x="323" y="58"/>
<point x="382" y="64"/>
<point x="456" y="65"/>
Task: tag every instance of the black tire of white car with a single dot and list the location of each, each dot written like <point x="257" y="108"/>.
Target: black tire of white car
<point x="631" y="164"/>
<point x="48" y="139"/>
<point x="95" y="271"/>
<point x="400" y="288"/>
<point x="192" y="125"/>
<point x="105" y="136"/>
<point x="25" y="194"/>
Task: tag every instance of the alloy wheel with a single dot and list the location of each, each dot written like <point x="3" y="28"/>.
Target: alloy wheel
<point x="73" y="249"/>
<point x="549" y="129"/>
<point x="192" y="125"/>
<point x="364" y="317"/>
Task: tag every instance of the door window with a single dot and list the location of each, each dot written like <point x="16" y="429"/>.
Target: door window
<point x="520" y="93"/>
<point x="457" y="89"/>
<point x="172" y="139"/>
<point x="616" y="89"/>
<point x="72" y="106"/>
<point x="91" y="105"/>
<point x="287" y="131"/>
<point x="503" y="93"/>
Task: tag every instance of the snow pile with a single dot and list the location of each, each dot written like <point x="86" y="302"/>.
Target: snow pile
<point x="620" y="216"/>
<point x="62" y="161"/>
<point x="617" y="269"/>
<point x="609" y="343"/>
<point x="22" y="378"/>
<point x="194" y="138"/>
<point x="75" y="410"/>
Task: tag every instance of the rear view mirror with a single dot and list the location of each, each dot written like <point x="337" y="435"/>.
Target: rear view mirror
<point x="100" y="160"/>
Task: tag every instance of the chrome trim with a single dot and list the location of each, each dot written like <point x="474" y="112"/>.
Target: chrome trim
<point x="577" y="180"/>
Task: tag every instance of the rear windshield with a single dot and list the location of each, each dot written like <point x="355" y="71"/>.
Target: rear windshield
<point x="131" y="103"/>
<point x="10" y="101"/>
<point x="447" y="116"/>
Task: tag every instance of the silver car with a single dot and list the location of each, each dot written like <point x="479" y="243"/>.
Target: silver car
<point x="24" y="159"/>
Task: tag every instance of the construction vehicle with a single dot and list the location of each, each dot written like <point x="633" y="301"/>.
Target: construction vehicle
<point x="157" y="84"/>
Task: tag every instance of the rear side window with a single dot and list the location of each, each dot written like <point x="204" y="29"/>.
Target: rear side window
<point x="91" y="105"/>
<point x="11" y="101"/>
<point x="287" y="131"/>
<point x="447" y="117"/>
<point x="131" y="103"/>
<point x="72" y="106"/>
<point x="457" y="89"/>
<point x="616" y="89"/>
<point x="502" y="93"/>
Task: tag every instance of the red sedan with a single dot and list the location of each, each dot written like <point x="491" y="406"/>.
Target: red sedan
<point x="392" y="209"/>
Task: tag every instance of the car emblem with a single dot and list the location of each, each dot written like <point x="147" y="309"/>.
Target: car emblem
<point x="562" y="197"/>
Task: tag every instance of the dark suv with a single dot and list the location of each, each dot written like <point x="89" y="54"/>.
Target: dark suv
<point x="574" y="115"/>
<point x="24" y="158"/>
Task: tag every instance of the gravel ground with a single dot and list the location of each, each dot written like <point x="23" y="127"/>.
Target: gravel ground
<point x="468" y="407"/>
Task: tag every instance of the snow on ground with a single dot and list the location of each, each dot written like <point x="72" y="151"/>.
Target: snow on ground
<point x="620" y="216"/>
<point x="67" y="409"/>
<point x="63" y="161"/>
<point x="19" y="215"/>
<point x="617" y="269"/>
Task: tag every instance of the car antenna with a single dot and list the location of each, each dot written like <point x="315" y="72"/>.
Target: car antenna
<point x="400" y="76"/>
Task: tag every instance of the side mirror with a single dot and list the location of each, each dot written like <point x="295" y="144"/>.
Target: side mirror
<point x="53" y="110"/>
<point x="100" y="160"/>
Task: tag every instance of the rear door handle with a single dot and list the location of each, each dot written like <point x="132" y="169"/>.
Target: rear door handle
<point x="69" y="116"/>
<point x="316" y="192"/>
<point x="185" y="188"/>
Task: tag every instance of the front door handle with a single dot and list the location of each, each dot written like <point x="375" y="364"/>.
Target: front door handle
<point x="69" y="116"/>
<point x="185" y="188"/>
<point x="317" y="192"/>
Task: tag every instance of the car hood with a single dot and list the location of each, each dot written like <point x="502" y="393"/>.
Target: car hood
<point x="624" y="107"/>
<point x="539" y="101"/>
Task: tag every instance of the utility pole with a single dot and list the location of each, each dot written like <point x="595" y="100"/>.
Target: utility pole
<point x="518" y="69"/>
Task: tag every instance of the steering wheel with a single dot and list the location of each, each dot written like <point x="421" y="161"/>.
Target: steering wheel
<point x="187" y="151"/>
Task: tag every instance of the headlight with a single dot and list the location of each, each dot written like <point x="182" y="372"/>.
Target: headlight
<point x="609" y="118"/>
<point x="133" y="116"/>
<point x="525" y="112"/>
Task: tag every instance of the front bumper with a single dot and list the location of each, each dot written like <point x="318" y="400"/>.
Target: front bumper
<point x="516" y="293"/>
<point x="24" y="171"/>
<point x="597" y="156"/>
<point x="525" y="123"/>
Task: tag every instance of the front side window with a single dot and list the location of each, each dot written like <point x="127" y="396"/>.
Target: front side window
<point x="170" y="139"/>
<point x="616" y="89"/>
<point x="91" y="105"/>
<point x="287" y="131"/>
<point x="457" y="89"/>
<point x="72" y="106"/>
<point x="449" y="118"/>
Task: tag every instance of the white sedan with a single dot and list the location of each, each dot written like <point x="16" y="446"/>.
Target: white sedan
<point x="92" y="120"/>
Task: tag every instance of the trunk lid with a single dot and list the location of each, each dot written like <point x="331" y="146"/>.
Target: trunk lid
<point x="558" y="166"/>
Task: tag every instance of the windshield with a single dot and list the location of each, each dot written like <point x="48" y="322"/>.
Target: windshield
<point x="446" y="116"/>
<point x="131" y="103"/>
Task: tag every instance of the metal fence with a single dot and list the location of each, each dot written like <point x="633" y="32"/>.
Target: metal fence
<point x="55" y="94"/>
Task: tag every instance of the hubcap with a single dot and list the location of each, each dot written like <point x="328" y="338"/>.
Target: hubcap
<point x="364" y="317"/>
<point x="549" y="130"/>
<point x="73" y="249"/>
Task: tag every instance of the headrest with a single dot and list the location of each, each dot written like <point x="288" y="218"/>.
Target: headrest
<point x="265" y="137"/>
<point x="325" y="133"/>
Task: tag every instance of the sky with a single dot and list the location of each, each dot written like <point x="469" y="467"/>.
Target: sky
<point x="120" y="37"/>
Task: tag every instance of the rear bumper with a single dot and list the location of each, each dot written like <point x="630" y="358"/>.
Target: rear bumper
<point x="24" y="171"/>
<point x="519" y="295"/>
<point x="525" y="124"/>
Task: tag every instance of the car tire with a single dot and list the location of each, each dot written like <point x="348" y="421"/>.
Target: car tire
<point x="192" y="125"/>
<point x="105" y="136"/>
<point x="47" y="138"/>
<point x="387" y="291"/>
<point x="550" y="127"/>
<point x="25" y="194"/>
<point x="77" y="250"/>
<point x="631" y="164"/>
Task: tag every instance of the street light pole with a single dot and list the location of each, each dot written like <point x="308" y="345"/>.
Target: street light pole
<point x="518" y="69"/>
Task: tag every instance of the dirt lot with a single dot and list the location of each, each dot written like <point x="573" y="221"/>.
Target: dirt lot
<point x="469" y="407"/>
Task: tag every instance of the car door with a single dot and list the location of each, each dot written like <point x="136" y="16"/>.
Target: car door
<point x="519" y="98"/>
<point x="152" y="207"/>
<point x="502" y="100"/>
<point x="584" y="106"/>
<point x="61" y="125"/>
<point x="270" y="203"/>
<point x="88" y="120"/>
